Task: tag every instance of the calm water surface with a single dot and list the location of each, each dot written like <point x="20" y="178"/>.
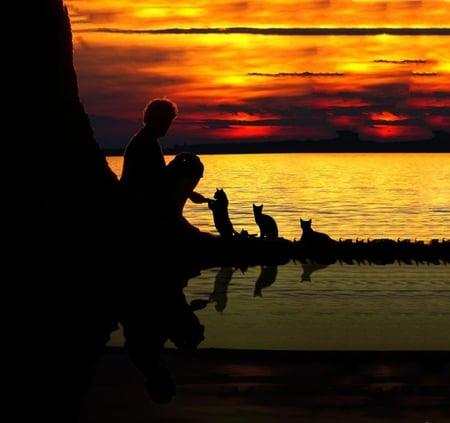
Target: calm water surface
<point x="340" y="307"/>
<point x="337" y="307"/>
<point x="346" y="195"/>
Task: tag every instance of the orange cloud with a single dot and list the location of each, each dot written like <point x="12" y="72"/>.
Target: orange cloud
<point x="263" y="83"/>
<point x="138" y="14"/>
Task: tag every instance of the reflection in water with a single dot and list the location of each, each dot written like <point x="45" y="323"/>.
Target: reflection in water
<point x="148" y="303"/>
<point x="219" y="296"/>
<point x="221" y="282"/>
<point x="266" y="278"/>
<point x="309" y="267"/>
<point x="347" y="307"/>
<point x="151" y="314"/>
<point x="367" y="307"/>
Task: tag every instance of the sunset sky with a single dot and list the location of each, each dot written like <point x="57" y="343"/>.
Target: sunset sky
<point x="265" y="70"/>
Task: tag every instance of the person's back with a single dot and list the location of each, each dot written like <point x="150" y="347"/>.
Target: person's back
<point x="144" y="167"/>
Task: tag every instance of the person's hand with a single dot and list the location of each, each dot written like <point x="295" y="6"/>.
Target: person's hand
<point x="198" y="198"/>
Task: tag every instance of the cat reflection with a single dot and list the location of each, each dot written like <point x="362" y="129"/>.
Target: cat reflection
<point x="266" y="278"/>
<point x="221" y="282"/>
<point x="223" y="278"/>
<point x="309" y="267"/>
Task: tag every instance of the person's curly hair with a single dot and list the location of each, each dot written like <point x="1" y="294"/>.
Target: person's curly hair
<point x="160" y="109"/>
<point x="186" y="165"/>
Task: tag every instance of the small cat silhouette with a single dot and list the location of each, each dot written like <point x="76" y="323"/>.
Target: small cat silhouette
<point x="310" y="236"/>
<point x="219" y="208"/>
<point x="267" y="226"/>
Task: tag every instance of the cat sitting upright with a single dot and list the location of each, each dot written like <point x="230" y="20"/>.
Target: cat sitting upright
<point x="310" y="236"/>
<point x="267" y="226"/>
<point x="219" y="207"/>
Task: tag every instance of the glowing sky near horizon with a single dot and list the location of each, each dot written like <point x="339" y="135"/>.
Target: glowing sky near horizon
<point x="266" y="70"/>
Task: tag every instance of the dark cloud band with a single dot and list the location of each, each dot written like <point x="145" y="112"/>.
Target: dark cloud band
<point x="279" y="31"/>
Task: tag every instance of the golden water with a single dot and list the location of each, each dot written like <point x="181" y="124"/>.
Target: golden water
<point x="346" y="195"/>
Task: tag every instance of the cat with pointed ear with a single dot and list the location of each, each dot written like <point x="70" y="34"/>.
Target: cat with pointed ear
<point x="219" y="208"/>
<point x="309" y="235"/>
<point x="267" y="225"/>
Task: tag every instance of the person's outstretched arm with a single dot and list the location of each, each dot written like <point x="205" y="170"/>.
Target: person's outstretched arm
<point x="198" y="198"/>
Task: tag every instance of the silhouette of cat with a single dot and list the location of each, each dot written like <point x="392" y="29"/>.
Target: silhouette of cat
<point x="219" y="207"/>
<point x="310" y="236"/>
<point x="267" y="226"/>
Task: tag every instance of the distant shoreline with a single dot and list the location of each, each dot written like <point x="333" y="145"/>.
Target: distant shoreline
<point x="349" y="143"/>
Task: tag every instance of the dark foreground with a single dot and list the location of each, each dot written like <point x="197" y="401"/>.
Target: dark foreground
<point x="221" y="386"/>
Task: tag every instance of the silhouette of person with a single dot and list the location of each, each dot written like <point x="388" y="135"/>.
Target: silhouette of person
<point x="182" y="176"/>
<point x="154" y="188"/>
<point x="153" y="308"/>
<point x="144" y="163"/>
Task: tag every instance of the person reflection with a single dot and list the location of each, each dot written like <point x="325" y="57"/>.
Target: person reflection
<point x="152" y="315"/>
<point x="266" y="278"/>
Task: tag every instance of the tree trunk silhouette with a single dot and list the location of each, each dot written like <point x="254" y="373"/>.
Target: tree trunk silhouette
<point x="80" y="222"/>
<point x="79" y="192"/>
